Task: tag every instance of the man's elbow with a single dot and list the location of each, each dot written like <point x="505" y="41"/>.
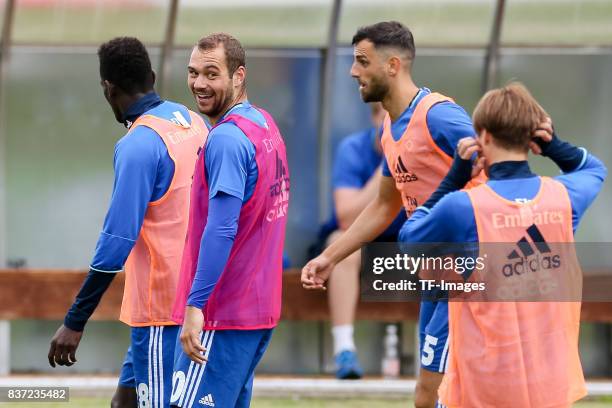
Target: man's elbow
<point x="344" y="222"/>
<point x="604" y="171"/>
<point x="598" y="167"/>
<point x="404" y="233"/>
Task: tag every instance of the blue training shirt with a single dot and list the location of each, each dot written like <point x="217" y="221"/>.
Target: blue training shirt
<point x="511" y="180"/>
<point x="143" y="172"/>
<point x="355" y="161"/>
<point x="447" y="122"/>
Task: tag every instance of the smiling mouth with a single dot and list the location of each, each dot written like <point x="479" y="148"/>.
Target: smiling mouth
<point x="203" y="97"/>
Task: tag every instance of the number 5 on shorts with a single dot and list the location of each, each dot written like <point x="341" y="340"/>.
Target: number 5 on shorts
<point x="427" y="355"/>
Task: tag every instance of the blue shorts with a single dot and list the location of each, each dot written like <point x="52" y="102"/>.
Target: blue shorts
<point x="226" y="379"/>
<point x="126" y="378"/>
<point x="433" y="335"/>
<point x="148" y="364"/>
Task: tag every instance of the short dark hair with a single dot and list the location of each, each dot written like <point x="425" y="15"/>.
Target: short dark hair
<point x="124" y="61"/>
<point x="387" y="34"/>
<point x="235" y="56"/>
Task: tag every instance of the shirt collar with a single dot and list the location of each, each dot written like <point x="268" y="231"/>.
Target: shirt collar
<point x="510" y="170"/>
<point x="411" y="106"/>
<point x="244" y="104"/>
<point x="138" y="108"/>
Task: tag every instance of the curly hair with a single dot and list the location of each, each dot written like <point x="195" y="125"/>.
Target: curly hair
<point x="124" y="61"/>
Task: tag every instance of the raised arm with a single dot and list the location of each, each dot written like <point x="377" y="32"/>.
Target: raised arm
<point x="372" y="221"/>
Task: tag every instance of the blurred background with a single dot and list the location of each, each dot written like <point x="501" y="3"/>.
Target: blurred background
<point x="57" y="132"/>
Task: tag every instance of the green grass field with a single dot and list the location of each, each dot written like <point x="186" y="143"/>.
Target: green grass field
<point x="289" y="403"/>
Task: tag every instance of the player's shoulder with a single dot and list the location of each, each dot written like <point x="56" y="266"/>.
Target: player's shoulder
<point x="139" y="137"/>
<point x="230" y="133"/>
<point x="250" y="112"/>
<point x="457" y="202"/>
<point x="357" y="141"/>
<point x="227" y="138"/>
<point x="447" y="111"/>
<point x="172" y="111"/>
<point x="140" y="145"/>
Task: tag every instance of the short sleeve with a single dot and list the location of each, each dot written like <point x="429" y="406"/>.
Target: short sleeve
<point x="229" y="154"/>
<point x="448" y="123"/>
<point x="347" y="169"/>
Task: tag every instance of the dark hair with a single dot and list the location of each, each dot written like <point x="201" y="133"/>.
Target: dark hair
<point x="234" y="53"/>
<point x="124" y="61"/>
<point x="387" y="34"/>
<point x="511" y="114"/>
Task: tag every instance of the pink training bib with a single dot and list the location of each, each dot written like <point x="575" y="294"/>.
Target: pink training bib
<point x="248" y="293"/>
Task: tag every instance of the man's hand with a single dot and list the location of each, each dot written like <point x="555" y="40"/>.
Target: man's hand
<point x="190" y="335"/>
<point x="542" y="136"/>
<point x="466" y="149"/>
<point x="63" y="346"/>
<point x="316" y="273"/>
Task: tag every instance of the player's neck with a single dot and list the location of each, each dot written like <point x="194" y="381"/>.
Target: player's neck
<point x="499" y="155"/>
<point x="126" y="101"/>
<point x="399" y="98"/>
<point x="241" y="97"/>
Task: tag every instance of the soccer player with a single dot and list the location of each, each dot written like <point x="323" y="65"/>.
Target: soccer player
<point x="229" y="294"/>
<point x="355" y="180"/>
<point x="420" y="134"/>
<point x="145" y="224"/>
<point x="512" y="354"/>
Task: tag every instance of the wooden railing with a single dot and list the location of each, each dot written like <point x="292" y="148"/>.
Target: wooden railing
<point x="48" y="293"/>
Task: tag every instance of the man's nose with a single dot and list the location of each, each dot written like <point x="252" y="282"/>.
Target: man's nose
<point x="354" y="72"/>
<point x="200" y="82"/>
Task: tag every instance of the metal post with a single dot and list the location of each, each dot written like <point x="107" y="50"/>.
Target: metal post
<point x="491" y="66"/>
<point x="325" y="107"/>
<point x="7" y="26"/>
<point x="5" y="347"/>
<point x="166" y="54"/>
<point x="5" y="42"/>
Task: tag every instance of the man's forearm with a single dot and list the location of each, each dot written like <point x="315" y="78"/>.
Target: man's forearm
<point x="87" y="300"/>
<point x="372" y="221"/>
<point x="456" y="178"/>
<point x="350" y="203"/>
<point x="215" y="246"/>
<point x="567" y="156"/>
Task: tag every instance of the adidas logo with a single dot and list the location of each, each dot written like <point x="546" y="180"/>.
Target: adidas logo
<point x="279" y="191"/>
<point x="207" y="400"/>
<point x="281" y="186"/>
<point x="522" y="259"/>
<point x="179" y="120"/>
<point x="402" y="175"/>
<point x="281" y="172"/>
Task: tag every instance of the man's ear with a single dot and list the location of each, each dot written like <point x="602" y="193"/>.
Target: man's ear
<point x="394" y="65"/>
<point x="239" y="77"/>
<point x="153" y="77"/>
<point x="487" y="138"/>
<point x="109" y="87"/>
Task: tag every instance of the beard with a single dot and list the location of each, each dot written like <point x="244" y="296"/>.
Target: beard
<point x="221" y="103"/>
<point x="376" y="92"/>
